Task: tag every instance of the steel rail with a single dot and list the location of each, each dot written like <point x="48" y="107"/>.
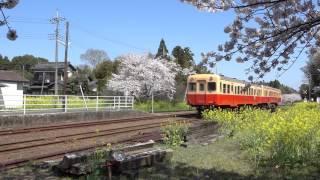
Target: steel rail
<point x="94" y="135"/>
<point x="86" y="124"/>
<point x="20" y="162"/>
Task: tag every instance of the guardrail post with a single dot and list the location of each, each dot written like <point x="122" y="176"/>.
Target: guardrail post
<point x="97" y="103"/>
<point x="24" y="104"/>
<point x="132" y="102"/>
<point x="65" y="103"/>
<point x="125" y="101"/>
<point x="119" y="102"/>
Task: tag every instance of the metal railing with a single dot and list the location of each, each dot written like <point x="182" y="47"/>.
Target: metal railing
<point x="29" y="104"/>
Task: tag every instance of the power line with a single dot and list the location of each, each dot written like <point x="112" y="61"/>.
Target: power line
<point x="96" y="35"/>
<point x="29" y="22"/>
<point x="30" y="18"/>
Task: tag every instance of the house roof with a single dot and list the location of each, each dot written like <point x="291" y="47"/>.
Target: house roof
<point x="11" y="76"/>
<point x="51" y="66"/>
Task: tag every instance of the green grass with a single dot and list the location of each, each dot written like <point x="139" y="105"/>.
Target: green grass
<point x="223" y="156"/>
<point x="219" y="160"/>
<point x="222" y="159"/>
<point x="161" y="106"/>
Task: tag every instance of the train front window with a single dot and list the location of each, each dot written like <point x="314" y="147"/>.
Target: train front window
<point x="192" y="87"/>
<point x="211" y="86"/>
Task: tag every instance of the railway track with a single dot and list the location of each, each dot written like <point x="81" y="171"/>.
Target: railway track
<point x="33" y="149"/>
<point x="92" y="123"/>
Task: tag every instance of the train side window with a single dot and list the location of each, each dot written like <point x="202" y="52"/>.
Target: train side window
<point x="232" y="90"/>
<point x="201" y="87"/>
<point x="211" y="86"/>
<point x="224" y="88"/>
<point x="192" y="87"/>
<point x="220" y="87"/>
<point x="228" y="89"/>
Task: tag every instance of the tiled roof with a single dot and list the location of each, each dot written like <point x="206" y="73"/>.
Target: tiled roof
<point x="11" y="76"/>
<point x="51" y="65"/>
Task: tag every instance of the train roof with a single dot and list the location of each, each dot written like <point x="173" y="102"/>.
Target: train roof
<point x="226" y="78"/>
<point x="222" y="77"/>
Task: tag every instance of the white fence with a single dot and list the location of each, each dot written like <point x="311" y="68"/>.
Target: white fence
<point x="29" y="104"/>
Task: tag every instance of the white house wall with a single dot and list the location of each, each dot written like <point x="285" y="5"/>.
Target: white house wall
<point x="12" y="97"/>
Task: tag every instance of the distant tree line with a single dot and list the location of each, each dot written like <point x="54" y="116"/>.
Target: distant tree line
<point x="21" y="64"/>
<point x="276" y="84"/>
<point x="98" y="70"/>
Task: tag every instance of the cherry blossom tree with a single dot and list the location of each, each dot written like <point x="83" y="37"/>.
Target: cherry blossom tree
<point x="8" y="4"/>
<point x="271" y="34"/>
<point x="142" y="75"/>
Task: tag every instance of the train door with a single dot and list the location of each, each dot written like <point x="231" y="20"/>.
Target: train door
<point x="231" y="91"/>
<point x="201" y="98"/>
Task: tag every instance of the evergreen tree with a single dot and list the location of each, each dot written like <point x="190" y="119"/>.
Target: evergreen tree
<point x="162" y="50"/>
<point x="183" y="56"/>
<point x="4" y="63"/>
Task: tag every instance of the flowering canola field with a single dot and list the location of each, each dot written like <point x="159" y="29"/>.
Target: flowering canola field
<point x="285" y="138"/>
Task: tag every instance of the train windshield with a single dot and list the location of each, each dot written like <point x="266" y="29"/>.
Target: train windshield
<point x="212" y="86"/>
<point x="192" y="87"/>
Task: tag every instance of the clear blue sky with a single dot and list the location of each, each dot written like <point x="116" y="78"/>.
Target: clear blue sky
<point x="124" y="26"/>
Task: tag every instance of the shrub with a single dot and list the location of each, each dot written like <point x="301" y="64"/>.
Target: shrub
<point x="285" y="138"/>
<point x="174" y="132"/>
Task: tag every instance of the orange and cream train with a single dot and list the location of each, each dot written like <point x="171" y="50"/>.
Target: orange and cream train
<point x="206" y="91"/>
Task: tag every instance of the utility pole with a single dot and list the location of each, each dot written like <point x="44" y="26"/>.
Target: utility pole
<point x="56" y="20"/>
<point x="65" y="75"/>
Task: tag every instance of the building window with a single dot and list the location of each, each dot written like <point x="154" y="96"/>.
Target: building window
<point x="192" y="87"/>
<point x="211" y="86"/>
<point x="19" y="86"/>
